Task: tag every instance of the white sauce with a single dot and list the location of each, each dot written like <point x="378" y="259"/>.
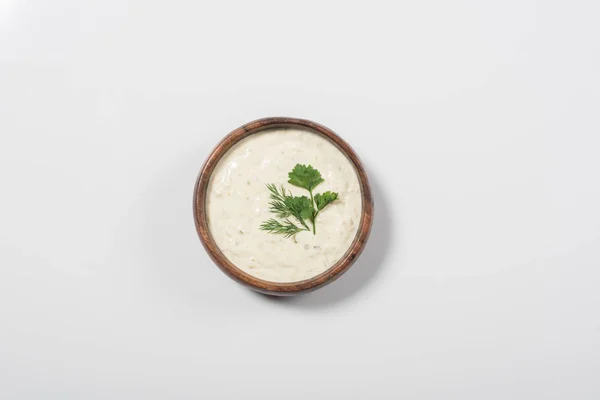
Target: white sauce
<point x="238" y="202"/>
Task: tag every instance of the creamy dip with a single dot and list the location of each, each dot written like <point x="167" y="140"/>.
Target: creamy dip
<point x="238" y="202"/>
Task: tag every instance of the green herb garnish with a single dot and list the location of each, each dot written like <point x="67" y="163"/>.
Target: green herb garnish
<point x="284" y="205"/>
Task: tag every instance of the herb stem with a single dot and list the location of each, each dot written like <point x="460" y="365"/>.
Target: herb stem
<point x="314" y="217"/>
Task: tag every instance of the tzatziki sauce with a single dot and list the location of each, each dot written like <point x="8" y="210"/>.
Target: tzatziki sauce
<point x="237" y="204"/>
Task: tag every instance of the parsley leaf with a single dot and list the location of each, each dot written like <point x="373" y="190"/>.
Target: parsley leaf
<point x="305" y="177"/>
<point x="300" y="207"/>
<point x="321" y="200"/>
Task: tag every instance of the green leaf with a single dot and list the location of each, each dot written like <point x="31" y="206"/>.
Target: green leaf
<point x="308" y="213"/>
<point x="322" y="200"/>
<point x="277" y="203"/>
<point x="284" y="205"/>
<point x="287" y="228"/>
<point x="305" y="177"/>
<point x="300" y="207"/>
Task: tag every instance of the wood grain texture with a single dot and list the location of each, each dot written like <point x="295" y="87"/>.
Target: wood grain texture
<point x="276" y="288"/>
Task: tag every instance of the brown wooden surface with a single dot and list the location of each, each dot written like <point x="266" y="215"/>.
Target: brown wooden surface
<point x="275" y="288"/>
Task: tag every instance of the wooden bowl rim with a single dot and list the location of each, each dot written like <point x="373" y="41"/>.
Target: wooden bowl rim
<point x="260" y="285"/>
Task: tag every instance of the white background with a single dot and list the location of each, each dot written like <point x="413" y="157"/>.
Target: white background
<point x="478" y="123"/>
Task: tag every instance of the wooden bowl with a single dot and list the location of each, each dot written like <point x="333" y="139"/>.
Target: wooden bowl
<point x="276" y="288"/>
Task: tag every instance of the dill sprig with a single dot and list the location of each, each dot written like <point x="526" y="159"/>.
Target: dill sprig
<point x="287" y="228"/>
<point x="277" y="203"/>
